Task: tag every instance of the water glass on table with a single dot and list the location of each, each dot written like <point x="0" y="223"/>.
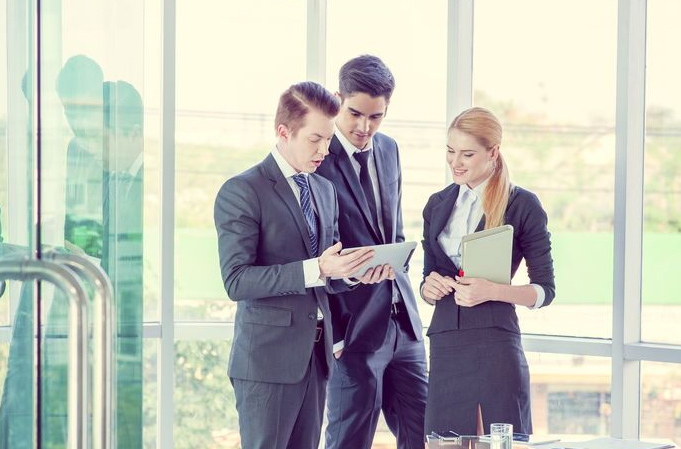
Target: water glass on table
<point x="501" y="436"/>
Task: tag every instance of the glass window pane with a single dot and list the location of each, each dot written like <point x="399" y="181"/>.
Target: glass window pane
<point x="4" y="356"/>
<point x="227" y="94"/>
<point x="661" y="401"/>
<point x="152" y="142"/>
<point x="150" y="394"/>
<point x="570" y="394"/>
<point x="205" y="411"/>
<point x="555" y="97"/>
<point x="4" y="297"/>
<point x="661" y="308"/>
<point x="412" y="43"/>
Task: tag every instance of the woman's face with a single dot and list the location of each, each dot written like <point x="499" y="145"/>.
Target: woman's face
<point x="470" y="162"/>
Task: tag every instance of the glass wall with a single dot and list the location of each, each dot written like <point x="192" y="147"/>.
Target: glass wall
<point x="555" y="96"/>
<point x="413" y="44"/>
<point x="661" y="309"/>
<point x="551" y="81"/>
<point x="661" y="401"/>
<point x="570" y="394"/>
<point x="225" y="112"/>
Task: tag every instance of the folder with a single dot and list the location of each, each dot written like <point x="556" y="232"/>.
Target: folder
<point x="487" y="254"/>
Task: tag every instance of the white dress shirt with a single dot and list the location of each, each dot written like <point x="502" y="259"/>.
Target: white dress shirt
<point x="450" y="237"/>
<point x="310" y="266"/>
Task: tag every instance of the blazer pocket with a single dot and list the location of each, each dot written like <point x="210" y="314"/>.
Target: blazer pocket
<point x="268" y="315"/>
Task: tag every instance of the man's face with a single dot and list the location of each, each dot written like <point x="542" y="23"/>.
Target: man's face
<point x="307" y="149"/>
<point x="360" y="117"/>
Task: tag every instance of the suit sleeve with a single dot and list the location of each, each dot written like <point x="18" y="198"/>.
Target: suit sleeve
<point x="535" y="245"/>
<point x="238" y="220"/>
<point x="336" y="285"/>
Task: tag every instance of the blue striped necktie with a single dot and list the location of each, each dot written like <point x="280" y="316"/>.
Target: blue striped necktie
<point x="306" y="206"/>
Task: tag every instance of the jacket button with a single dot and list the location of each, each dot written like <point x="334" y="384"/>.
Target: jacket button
<point x="312" y="316"/>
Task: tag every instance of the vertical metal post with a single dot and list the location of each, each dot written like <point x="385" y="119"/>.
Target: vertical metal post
<point x="628" y="234"/>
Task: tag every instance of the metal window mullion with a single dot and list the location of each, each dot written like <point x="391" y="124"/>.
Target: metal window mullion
<point x="550" y="344"/>
<point x="316" y="41"/>
<point x="459" y="60"/>
<point x="629" y="169"/>
<point x="166" y="346"/>
<point x="653" y="352"/>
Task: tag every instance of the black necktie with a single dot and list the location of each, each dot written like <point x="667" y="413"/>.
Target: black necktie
<point x="365" y="180"/>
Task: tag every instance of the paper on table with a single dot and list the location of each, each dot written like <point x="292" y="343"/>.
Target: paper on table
<point x="611" y="443"/>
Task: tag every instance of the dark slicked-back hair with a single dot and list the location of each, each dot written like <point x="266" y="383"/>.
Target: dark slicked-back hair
<point x="297" y="100"/>
<point x="366" y="74"/>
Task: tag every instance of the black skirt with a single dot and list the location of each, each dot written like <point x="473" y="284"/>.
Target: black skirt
<point x="471" y="367"/>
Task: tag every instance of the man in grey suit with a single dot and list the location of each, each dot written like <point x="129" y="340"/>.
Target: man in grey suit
<point x="277" y="224"/>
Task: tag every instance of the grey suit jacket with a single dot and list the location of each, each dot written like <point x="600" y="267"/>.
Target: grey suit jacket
<point x="263" y="241"/>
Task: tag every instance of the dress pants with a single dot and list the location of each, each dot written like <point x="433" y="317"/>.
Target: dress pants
<point x="283" y="416"/>
<point x="392" y="379"/>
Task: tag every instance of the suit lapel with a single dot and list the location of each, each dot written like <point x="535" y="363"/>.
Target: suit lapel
<point x="439" y="217"/>
<point x="283" y="189"/>
<point x="382" y="168"/>
<point x="352" y="180"/>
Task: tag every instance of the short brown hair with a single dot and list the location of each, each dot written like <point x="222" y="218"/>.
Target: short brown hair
<point x="297" y="100"/>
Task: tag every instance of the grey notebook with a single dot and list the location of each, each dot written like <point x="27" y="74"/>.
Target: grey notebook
<point x="487" y="254"/>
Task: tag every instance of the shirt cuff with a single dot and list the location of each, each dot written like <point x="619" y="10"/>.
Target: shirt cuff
<point x="540" y="297"/>
<point x="350" y="282"/>
<point x="311" y="271"/>
<point x="421" y="295"/>
<point x="338" y="346"/>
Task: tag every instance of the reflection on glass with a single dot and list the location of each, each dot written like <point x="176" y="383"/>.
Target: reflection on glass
<point x="122" y="256"/>
<point x="570" y="394"/>
<point x="661" y="401"/>
<point x="559" y="139"/>
<point x="4" y="354"/>
<point x="16" y="405"/>
<point x="661" y="308"/>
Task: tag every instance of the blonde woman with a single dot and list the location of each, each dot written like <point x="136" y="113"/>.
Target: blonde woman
<point x="478" y="370"/>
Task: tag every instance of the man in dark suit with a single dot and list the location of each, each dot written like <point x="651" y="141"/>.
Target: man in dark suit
<point x="378" y="342"/>
<point x="277" y="224"/>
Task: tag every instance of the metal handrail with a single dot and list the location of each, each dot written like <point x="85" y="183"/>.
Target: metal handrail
<point x="103" y="313"/>
<point x="63" y="278"/>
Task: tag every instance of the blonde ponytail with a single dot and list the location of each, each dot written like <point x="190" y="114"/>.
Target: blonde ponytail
<point x="496" y="196"/>
<point x="486" y="129"/>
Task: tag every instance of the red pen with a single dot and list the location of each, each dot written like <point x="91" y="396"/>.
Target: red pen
<point x="460" y="273"/>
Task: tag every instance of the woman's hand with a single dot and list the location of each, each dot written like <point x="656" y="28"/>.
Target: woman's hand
<point x="437" y="287"/>
<point x="473" y="291"/>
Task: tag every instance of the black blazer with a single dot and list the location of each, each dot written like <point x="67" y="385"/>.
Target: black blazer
<point x="361" y="316"/>
<point x="531" y="241"/>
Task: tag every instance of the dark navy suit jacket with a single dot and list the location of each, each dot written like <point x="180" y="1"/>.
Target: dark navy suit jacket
<point x="361" y="316"/>
<point x="531" y="241"/>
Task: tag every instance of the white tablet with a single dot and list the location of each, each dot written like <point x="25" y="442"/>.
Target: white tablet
<point x="395" y="254"/>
